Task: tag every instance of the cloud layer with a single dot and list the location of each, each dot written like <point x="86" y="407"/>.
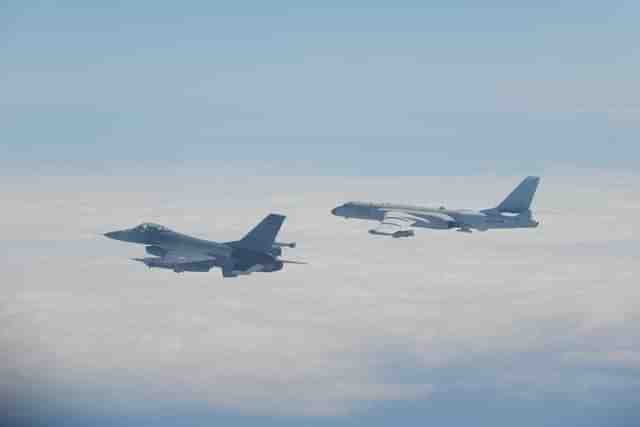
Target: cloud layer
<point x="524" y="314"/>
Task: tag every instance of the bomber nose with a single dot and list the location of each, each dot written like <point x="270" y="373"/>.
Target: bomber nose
<point x="334" y="211"/>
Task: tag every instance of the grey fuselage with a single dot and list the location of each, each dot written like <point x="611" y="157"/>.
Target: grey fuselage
<point x="172" y="241"/>
<point x="162" y="243"/>
<point x="437" y="218"/>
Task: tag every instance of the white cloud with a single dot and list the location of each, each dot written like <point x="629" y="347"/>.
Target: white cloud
<point x="327" y="337"/>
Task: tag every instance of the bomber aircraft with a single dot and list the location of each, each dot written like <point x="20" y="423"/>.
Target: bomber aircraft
<point x="397" y="220"/>
<point x="258" y="251"/>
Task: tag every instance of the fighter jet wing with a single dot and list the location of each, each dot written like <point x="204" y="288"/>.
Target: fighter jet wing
<point x="395" y="224"/>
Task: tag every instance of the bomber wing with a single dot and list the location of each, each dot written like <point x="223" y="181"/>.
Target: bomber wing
<point x="399" y="223"/>
<point x="395" y="224"/>
<point x="435" y="220"/>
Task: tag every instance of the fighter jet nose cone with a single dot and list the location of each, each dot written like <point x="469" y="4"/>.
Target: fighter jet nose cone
<point x="116" y="235"/>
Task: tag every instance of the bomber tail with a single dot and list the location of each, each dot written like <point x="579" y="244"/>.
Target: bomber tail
<point x="519" y="200"/>
<point x="263" y="236"/>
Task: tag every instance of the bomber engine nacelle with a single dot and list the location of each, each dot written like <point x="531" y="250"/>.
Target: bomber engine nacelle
<point x="155" y="250"/>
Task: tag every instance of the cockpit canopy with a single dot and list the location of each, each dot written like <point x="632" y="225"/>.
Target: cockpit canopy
<point x="358" y="205"/>
<point x="150" y="227"/>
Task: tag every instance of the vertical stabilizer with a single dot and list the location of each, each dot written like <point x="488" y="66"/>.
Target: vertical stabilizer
<point x="519" y="200"/>
<point x="263" y="235"/>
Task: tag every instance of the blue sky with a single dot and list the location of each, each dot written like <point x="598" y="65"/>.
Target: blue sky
<point x="163" y="108"/>
<point x="362" y="88"/>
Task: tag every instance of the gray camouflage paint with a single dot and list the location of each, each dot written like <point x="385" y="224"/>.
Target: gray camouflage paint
<point x="513" y="212"/>
<point x="256" y="252"/>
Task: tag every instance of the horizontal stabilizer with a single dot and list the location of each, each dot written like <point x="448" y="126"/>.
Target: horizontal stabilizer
<point x="286" y="261"/>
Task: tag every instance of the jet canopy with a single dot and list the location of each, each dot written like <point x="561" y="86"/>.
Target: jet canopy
<point x="150" y="227"/>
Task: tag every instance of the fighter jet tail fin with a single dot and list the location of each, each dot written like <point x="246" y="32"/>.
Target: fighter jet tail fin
<point x="263" y="236"/>
<point x="519" y="200"/>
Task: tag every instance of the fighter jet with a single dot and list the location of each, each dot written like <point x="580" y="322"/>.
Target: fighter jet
<point x="256" y="252"/>
<point x="397" y="220"/>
